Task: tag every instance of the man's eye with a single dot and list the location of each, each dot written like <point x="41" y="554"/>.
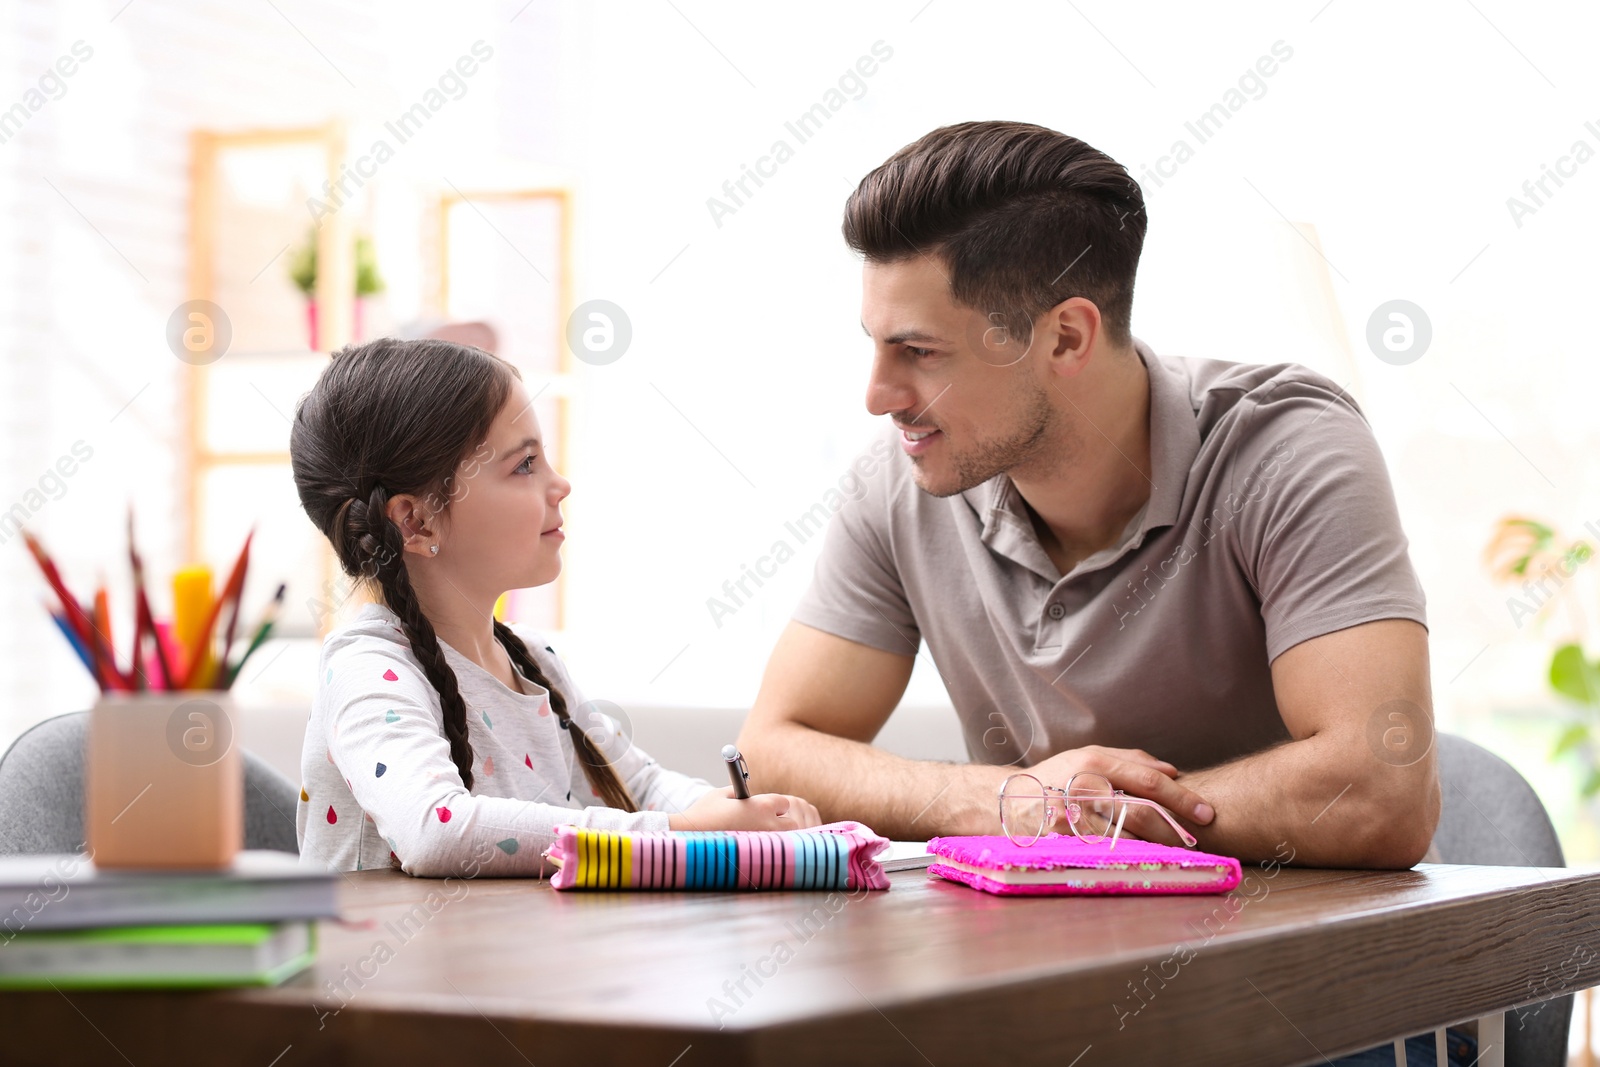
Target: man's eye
<point x="919" y="352"/>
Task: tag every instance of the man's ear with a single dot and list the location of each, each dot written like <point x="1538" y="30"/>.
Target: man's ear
<point x="417" y="527"/>
<point x="1071" y="330"/>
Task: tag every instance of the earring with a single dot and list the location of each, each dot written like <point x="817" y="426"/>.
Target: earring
<point x="434" y="549"/>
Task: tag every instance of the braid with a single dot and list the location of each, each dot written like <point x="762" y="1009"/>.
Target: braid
<point x="380" y="545"/>
<point x="601" y="775"/>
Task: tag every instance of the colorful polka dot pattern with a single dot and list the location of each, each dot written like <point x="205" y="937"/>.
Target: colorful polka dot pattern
<point x="508" y="845"/>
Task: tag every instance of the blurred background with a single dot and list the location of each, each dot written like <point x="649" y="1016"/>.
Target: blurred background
<point x="639" y="205"/>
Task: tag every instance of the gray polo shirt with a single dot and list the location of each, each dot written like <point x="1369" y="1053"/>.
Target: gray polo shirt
<point x="1271" y="521"/>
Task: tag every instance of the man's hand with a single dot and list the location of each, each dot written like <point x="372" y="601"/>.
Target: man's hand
<point x="1137" y="773"/>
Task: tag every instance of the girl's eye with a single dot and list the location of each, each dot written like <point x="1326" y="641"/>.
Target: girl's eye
<point x="526" y="466"/>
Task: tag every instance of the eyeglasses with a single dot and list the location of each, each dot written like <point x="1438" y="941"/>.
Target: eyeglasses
<point x="1094" y="810"/>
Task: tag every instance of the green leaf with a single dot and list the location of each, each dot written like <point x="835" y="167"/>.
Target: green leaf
<point x="1570" y="738"/>
<point x="1591" y="784"/>
<point x="303" y="265"/>
<point x="1573" y="676"/>
<point x="368" y="280"/>
<point x="1541" y="533"/>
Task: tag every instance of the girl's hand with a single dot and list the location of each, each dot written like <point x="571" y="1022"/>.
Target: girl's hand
<point x="719" y="810"/>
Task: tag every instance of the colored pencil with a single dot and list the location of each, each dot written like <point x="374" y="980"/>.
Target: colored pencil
<point x="144" y="622"/>
<point x="147" y="623"/>
<point x="269" y="617"/>
<point x="100" y="619"/>
<point x="66" y="631"/>
<point x="220" y="678"/>
<point x="88" y="630"/>
<point x="102" y="612"/>
<point x="196" y="661"/>
<point x="137" y="668"/>
<point x="136" y="665"/>
<point x="173" y="650"/>
<point x="76" y="617"/>
<point x="97" y="622"/>
<point x="69" y="604"/>
<point x="193" y="596"/>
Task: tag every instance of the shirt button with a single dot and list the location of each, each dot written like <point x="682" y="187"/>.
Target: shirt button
<point x="1055" y="611"/>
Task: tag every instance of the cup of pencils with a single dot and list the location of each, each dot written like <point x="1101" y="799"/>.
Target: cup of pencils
<point x="163" y="779"/>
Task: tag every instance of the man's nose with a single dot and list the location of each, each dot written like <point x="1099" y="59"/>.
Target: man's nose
<point x="887" y="392"/>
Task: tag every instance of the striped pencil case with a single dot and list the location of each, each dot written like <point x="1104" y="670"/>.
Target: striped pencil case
<point x="839" y="855"/>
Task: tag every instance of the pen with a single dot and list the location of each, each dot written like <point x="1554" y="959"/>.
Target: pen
<point x="738" y="773"/>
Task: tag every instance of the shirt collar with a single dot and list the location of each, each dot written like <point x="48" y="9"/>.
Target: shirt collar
<point x="1174" y="444"/>
<point x="1174" y="438"/>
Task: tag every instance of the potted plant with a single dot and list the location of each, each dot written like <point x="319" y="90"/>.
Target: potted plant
<point x="1532" y="553"/>
<point x="1540" y="562"/>
<point x="303" y="272"/>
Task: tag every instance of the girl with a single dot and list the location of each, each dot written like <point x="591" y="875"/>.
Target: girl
<point x="441" y="741"/>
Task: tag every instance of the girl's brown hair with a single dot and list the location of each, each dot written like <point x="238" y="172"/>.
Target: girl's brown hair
<point x="391" y="417"/>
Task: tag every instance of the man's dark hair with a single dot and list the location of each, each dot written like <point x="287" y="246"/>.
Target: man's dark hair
<point x="1023" y="217"/>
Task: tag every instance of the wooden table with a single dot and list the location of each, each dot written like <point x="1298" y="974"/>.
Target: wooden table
<point x="1285" y="970"/>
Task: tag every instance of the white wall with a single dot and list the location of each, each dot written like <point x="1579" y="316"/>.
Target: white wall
<point x="95" y="189"/>
<point x="1396" y="132"/>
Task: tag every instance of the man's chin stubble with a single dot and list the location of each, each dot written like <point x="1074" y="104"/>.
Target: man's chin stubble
<point x="992" y="460"/>
<point x="965" y="479"/>
<point x="939" y="491"/>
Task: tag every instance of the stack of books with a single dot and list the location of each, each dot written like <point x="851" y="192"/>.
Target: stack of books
<point x="65" y="923"/>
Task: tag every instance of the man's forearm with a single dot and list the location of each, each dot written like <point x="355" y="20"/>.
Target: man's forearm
<point x="1321" y="800"/>
<point x="902" y="799"/>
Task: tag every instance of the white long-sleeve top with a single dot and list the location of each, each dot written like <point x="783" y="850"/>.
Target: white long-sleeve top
<point x="378" y="787"/>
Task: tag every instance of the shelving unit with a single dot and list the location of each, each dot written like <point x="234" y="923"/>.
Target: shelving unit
<point x="251" y="193"/>
<point x="504" y="255"/>
<point x="500" y="256"/>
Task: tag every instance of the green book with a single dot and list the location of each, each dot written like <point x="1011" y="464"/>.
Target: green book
<point x="144" y="957"/>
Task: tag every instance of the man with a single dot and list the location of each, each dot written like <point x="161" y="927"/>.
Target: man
<point x="1186" y="575"/>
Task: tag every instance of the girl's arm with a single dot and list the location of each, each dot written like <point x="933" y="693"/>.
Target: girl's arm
<point x="387" y="741"/>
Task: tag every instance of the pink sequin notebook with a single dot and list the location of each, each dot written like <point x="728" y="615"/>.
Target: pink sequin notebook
<point x="1065" y="864"/>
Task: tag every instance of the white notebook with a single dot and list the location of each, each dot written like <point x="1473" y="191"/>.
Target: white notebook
<point x="905" y="856"/>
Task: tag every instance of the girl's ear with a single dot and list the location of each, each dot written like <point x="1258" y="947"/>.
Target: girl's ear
<point x="416" y="526"/>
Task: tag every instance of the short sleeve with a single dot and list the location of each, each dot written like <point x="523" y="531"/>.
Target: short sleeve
<point x="856" y="589"/>
<point x="1318" y="532"/>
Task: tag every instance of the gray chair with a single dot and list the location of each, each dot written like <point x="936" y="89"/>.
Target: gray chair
<point x="41" y="793"/>
<point x="1491" y="815"/>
